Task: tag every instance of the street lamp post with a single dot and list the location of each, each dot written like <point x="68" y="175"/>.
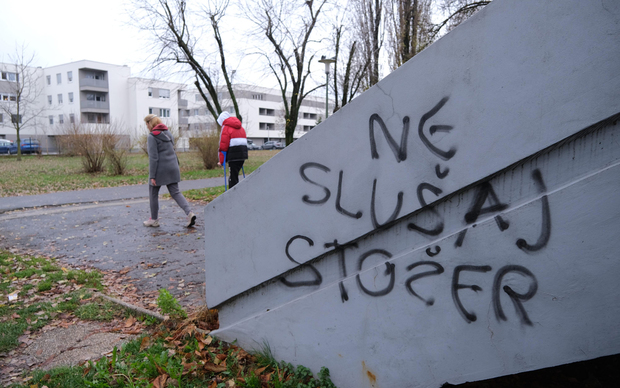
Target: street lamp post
<point x="327" y="62"/>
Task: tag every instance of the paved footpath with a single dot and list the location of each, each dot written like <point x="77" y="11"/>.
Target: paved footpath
<point x="103" y="228"/>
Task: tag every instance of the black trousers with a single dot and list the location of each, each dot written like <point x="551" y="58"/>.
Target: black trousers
<point x="235" y="167"/>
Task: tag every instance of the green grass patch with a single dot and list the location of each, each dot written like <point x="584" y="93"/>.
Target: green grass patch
<point x="190" y="361"/>
<point x="173" y="350"/>
<point x="90" y="279"/>
<point x="207" y="194"/>
<point x="25" y="279"/>
<point x="100" y="310"/>
<point x="52" y="173"/>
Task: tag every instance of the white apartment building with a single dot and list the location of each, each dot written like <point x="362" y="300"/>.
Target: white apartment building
<point x="261" y="109"/>
<point x="91" y="92"/>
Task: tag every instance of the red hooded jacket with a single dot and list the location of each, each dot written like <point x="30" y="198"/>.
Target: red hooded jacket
<point x="233" y="141"/>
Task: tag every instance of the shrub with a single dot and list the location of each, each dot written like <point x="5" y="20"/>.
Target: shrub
<point x="94" y="143"/>
<point x="115" y="152"/>
<point x="207" y="145"/>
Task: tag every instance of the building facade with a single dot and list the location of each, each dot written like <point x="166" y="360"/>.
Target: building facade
<point x="262" y="113"/>
<point x="89" y="92"/>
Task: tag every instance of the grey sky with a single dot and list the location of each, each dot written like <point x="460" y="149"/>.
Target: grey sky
<point x="63" y="31"/>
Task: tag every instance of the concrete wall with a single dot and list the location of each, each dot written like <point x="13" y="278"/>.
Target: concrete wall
<point x="460" y="221"/>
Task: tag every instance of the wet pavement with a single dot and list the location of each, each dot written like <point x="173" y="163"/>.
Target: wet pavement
<point x="102" y="228"/>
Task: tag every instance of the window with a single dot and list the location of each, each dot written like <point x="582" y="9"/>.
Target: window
<point x="150" y="111"/>
<point x="49" y="79"/>
<point x="69" y="76"/>
<point x="60" y="98"/>
<point x="308" y="127"/>
<point x="150" y="92"/>
<point x="8" y="97"/>
<point x="258" y="97"/>
<point x="7" y="76"/>
<point x="266" y="112"/>
<point x="310" y="116"/>
<point x="16" y="118"/>
<point x="164" y="93"/>
<point x="51" y="120"/>
<point x="196" y="112"/>
<point x="49" y="100"/>
<point x="95" y="75"/>
<point x="58" y="79"/>
<point x="97" y="118"/>
<point x="71" y="118"/>
<point x="164" y="112"/>
<point x="1" y="118"/>
<point x="197" y="97"/>
<point x="61" y="119"/>
<point x="95" y="97"/>
<point x="70" y="97"/>
<point x="265" y="126"/>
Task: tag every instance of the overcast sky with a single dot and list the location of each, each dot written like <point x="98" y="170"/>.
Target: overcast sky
<point x="64" y="31"/>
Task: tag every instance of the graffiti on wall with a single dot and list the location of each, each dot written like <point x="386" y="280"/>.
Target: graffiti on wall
<point x="485" y="202"/>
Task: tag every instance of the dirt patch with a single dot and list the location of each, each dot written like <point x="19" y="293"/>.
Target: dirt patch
<point x="62" y="344"/>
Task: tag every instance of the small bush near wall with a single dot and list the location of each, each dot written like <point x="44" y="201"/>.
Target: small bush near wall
<point x="207" y="145"/>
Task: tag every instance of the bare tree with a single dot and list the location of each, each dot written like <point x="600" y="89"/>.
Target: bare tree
<point x="24" y="90"/>
<point x="369" y="32"/>
<point x="409" y="29"/>
<point x="456" y="12"/>
<point x="348" y="84"/>
<point x="288" y="27"/>
<point x="176" y="41"/>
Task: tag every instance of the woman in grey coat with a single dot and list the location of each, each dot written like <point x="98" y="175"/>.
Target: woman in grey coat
<point x="163" y="170"/>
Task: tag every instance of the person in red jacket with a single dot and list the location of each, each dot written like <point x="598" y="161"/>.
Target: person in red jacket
<point x="234" y="142"/>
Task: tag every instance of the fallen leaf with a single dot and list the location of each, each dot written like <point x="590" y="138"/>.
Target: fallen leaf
<point x="145" y="343"/>
<point x="160" y="381"/>
<point x="130" y="321"/>
<point x="211" y="367"/>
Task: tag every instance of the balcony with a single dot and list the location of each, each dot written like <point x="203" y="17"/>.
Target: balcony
<point x="95" y="106"/>
<point x="182" y="103"/>
<point x="98" y="85"/>
<point x="183" y="121"/>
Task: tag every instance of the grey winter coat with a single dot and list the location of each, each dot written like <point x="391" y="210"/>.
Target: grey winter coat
<point x="163" y="162"/>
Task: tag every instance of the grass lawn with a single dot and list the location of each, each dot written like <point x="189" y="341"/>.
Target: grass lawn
<point x="51" y="173"/>
<point x="36" y="291"/>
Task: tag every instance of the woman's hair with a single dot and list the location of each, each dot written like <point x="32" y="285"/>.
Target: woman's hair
<point x="152" y="119"/>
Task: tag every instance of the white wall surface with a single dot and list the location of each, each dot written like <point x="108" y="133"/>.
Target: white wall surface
<point x="515" y="79"/>
<point x="510" y="85"/>
<point x="406" y="309"/>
